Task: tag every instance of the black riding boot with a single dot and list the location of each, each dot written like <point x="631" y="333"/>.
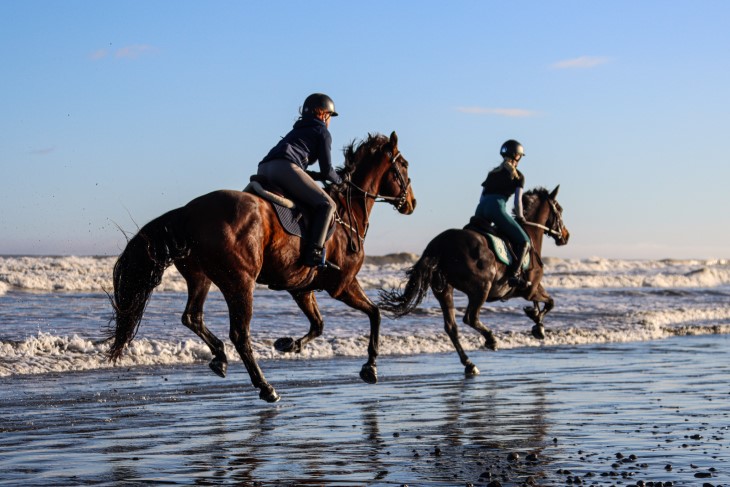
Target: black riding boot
<point x="314" y="252"/>
<point x="515" y="270"/>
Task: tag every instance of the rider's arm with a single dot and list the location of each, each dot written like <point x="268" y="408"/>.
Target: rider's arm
<point x="518" y="204"/>
<point x="325" y="160"/>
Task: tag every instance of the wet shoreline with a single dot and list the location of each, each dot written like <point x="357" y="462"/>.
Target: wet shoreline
<point x="611" y="414"/>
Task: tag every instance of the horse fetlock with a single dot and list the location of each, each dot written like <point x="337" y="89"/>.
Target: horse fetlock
<point x="532" y="312"/>
<point x="369" y="373"/>
<point x="490" y="342"/>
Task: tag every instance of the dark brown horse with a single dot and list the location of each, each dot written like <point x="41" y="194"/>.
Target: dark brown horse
<point x="234" y="240"/>
<point x="463" y="260"/>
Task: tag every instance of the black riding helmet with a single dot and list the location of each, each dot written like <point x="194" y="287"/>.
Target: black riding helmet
<point x="511" y="148"/>
<point x="318" y="100"/>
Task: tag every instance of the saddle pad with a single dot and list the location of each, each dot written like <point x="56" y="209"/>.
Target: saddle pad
<point x="503" y="254"/>
<point x="292" y="219"/>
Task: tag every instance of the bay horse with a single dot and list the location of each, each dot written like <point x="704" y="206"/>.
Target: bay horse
<point x="463" y="260"/>
<point x="234" y="240"/>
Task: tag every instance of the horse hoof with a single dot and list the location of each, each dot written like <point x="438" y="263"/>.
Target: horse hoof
<point x="285" y="345"/>
<point x="471" y="369"/>
<point x="268" y="394"/>
<point x="538" y="331"/>
<point x="219" y="367"/>
<point x="369" y="373"/>
<point x="490" y="342"/>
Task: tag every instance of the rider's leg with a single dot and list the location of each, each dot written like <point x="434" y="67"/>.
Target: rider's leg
<point x="302" y="188"/>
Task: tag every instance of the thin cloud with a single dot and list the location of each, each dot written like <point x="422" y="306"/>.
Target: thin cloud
<point x="98" y="55"/>
<point x="501" y="112"/>
<point x="583" y="62"/>
<point x="133" y="52"/>
<point x="42" y="152"/>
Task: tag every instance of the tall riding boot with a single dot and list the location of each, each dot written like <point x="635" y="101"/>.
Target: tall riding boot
<point x="515" y="270"/>
<point x="314" y="253"/>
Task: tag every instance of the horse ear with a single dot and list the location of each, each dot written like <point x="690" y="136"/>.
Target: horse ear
<point x="554" y="194"/>
<point x="393" y="139"/>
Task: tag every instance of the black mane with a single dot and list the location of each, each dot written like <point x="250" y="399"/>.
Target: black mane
<point x="356" y="151"/>
<point x="531" y="200"/>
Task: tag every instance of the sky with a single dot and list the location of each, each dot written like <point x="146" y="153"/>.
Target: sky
<point x="114" y="112"/>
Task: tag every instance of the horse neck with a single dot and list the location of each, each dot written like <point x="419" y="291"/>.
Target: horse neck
<point x="362" y="204"/>
<point x="541" y="215"/>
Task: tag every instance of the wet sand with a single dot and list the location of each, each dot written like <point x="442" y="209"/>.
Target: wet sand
<point x="623" y="415"/>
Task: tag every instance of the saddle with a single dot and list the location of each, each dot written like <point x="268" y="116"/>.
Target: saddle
<point x="498" y="243"/>
<point x="293" y="218"/>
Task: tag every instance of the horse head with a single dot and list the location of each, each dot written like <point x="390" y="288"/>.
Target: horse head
<point x="542" y="207"/>
<point x="378" y="169"/>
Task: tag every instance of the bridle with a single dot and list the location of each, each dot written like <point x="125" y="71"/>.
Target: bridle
<point x="556" y="233"/>
<point x="396" y="201"/>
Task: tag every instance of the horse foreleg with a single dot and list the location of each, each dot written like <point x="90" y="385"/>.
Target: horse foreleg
<point x="240" y="310"/>
<point x="307" y="302"/>
<point x="445" y="298"/>
<point x="536" y="314"/>
<point x="198" y="287"/>
<point x="355" y="297"/>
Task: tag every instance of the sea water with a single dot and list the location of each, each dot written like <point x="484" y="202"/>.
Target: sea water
<point x="55" y="313"/>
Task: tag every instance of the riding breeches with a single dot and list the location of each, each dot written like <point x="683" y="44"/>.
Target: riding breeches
<point x="493" y="207"/>
<point x="303" y="189"/>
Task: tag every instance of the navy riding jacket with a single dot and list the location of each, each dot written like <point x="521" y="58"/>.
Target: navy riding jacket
<point x="307" y="142"/>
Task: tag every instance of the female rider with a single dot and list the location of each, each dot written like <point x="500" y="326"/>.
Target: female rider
<point x="502" y="182"/>
<point x="285" y="165"/>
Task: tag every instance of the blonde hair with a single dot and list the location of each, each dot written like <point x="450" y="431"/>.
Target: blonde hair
<point x="508" y="165"/>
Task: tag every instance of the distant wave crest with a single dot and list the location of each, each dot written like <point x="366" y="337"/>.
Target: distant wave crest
<point x="93" y="274"/>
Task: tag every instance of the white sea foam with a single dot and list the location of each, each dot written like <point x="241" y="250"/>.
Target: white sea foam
<point x="46" y="352"/>
<point x="94" y="274"/>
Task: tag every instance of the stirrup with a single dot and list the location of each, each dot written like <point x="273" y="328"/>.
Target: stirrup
<point x="519" y="282"/>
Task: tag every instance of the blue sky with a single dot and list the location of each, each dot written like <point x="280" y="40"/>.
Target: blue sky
<point x="114" y="112"/>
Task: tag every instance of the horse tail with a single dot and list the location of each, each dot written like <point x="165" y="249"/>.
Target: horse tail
<point x="420" y="276"/>
<point x="139" y="270"/>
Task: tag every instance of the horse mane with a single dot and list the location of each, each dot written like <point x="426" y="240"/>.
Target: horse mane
<point x="357" y="151"/>
<point x="532" y="199"/>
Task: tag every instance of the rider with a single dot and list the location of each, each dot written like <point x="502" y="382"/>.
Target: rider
<point x="502" y="182"/>
<point x="285" y="165"/>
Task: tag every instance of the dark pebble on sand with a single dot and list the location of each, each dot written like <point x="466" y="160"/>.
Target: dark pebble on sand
<point x="513" y="457"/>
<point x="437" y="451"/>
<point x="494" y="483"/>
<point x="703" y="475"/>
<point x="668" y="468"/>
<point x="532" y="457"/>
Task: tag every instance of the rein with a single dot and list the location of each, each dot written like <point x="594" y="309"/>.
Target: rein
<point x="548" y="230"/>
<point x="397" y="201"/>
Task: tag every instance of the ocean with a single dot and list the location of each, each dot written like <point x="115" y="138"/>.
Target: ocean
<point x="54" y="313"/>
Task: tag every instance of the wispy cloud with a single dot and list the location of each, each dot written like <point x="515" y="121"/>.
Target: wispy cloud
<point x="501" y="112"/>
<point x="98" y="55"/>
<point x="133" y="52"/>
<point x="583" y="62"/>
<point x="127" y="52"/>
<point x="43" y="151"/>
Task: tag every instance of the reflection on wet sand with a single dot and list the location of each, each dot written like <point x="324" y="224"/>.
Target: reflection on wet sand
<point x="621" y="413"/>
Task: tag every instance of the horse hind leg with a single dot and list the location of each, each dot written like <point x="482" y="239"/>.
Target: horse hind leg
<point x="445" y="298"/>
<point x="239" y="297"/>
<point x="471" y="318"/>
<point x="198" y="287"/>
